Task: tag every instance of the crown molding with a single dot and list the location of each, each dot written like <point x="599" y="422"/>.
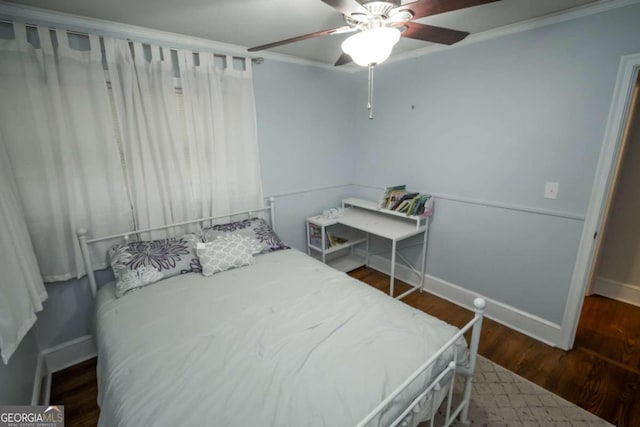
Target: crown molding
<point x="518" y="27"/>
<point x="83" y="24"/>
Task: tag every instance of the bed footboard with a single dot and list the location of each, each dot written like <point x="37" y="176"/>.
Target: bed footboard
<point x="446" y="378"/>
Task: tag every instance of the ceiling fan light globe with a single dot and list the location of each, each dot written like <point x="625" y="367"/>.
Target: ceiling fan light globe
<point x="371" y="46"/>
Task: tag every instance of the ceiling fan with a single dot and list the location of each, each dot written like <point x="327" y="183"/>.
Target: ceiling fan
<point x="379" y="25"/>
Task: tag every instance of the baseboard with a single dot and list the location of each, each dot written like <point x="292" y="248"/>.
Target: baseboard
<point x="521" y="321"/>
<point x="624" y="292"/>
<point x="69" y="353"/>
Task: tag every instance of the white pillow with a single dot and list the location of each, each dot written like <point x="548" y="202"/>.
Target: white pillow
<point x="224" y="253"/>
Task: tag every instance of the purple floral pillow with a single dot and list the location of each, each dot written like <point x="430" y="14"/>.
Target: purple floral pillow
<point x="265" y="239"/>
<point x="138" y="264"/>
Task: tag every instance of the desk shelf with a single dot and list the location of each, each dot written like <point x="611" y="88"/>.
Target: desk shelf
<point x="346" y="263"/>
<point x="352" y="239"/>
<point x="319" y="229"/>
<point x="417" y="221"/>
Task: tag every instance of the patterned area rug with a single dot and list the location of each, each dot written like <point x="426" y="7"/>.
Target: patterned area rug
<point x="501" y="398"/>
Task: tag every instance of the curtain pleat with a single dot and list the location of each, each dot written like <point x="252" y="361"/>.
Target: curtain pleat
<point x="21" y="288"/>
<point x="154" y="148"/>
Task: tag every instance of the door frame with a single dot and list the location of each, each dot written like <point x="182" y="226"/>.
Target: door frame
<point x="613" y="137"/>
<point x="616" y="177"/>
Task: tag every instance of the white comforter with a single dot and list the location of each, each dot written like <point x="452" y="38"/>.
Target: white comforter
<point x="285" y="342"/>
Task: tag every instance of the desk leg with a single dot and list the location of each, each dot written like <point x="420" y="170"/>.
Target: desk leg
<point x="324" y="244"/>
<point x="393" y="267"/>
<point x="424" y="261"/>
<point x="366" y="248"/>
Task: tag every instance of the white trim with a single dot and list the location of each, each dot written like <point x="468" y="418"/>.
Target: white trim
<point x="511" y="206"/>
<point x="69" y="353"/>
<point x="41" y="371"/>
<point x="624" y="292"/>
<point x="516" y="319"/>
<point x="35" y="15"/>
<point x="518" y="27"/>
<point x="82" y="24"/>
<point x="47" y="390"/>
<point x="55" y="359"/>
<point x="618" y="113"/>
<point x="499" y="205"/>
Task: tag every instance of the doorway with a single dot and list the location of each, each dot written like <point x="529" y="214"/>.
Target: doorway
<point x="609" y="326"/>
<point x="601" y="196"/>
<point x="616" y="266"/>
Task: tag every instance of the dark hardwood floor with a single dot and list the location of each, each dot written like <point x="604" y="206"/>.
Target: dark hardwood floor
<point x="77" y="389"/>
<point x="601" y="373"/>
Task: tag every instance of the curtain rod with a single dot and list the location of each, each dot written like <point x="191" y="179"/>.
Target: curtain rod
<point x="255" y="60"/>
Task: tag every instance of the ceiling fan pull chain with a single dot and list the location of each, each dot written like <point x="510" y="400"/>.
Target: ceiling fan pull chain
<point x="370" y="101"/>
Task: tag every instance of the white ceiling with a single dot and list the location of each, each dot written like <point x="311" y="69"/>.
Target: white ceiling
<point x="255" y="22"/>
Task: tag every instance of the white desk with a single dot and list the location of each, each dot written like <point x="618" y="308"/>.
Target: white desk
<point x="365" y="216"/>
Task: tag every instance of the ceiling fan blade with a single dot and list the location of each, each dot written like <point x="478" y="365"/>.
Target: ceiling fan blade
<point x="344" y="59"/>
<point x="347" y="7"/>
<point x="422" y="8"/>
<point x="338" y="30"/>
<point x="430" y="33"/>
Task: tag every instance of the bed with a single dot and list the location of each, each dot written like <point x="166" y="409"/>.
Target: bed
<point x="285" y="341"/>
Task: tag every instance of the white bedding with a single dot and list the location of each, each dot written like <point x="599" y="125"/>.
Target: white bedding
<point x="285" y="342"/>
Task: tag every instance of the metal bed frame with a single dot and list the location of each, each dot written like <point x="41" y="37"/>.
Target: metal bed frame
<point x="446" y="378"/>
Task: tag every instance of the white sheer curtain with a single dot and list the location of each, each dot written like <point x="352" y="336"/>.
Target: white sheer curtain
<point x="153" y="141"/>
<point x="21" y="289"/>
<point x="186" y="163"/>
<point x="57" y="127"/>
<point x="183" y="153"/>
<point x="221" y="133"/>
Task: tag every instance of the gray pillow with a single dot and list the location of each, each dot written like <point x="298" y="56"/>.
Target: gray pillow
<point x="138" y="264"/>
<point x="254" y="228"/>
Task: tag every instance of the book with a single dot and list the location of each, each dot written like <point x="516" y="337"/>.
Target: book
<point x="397" y="198"/>
<point x="411" y="206"/>
<point x="333" y="240"/>
<point x="383" y="202"/>
<point x="403" y="206"/>
<point x="428" y="208"/>
<point x="394" y="196"/>
<point x="405" y="197"/>
<point x="315" y="236"/>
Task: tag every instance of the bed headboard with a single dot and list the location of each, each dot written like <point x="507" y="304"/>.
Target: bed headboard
<point x="85" y="241"/>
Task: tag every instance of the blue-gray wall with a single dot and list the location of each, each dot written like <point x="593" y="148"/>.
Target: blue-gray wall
<point x="306" y="137"/>
<point x="493" y="121"/>
<point x="16" y="378"/>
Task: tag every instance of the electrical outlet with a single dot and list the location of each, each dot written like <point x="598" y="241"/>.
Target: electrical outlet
<point x="551" y="190"/>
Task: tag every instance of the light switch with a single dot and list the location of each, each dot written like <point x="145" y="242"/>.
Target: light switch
<point x="551" y="190"/>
